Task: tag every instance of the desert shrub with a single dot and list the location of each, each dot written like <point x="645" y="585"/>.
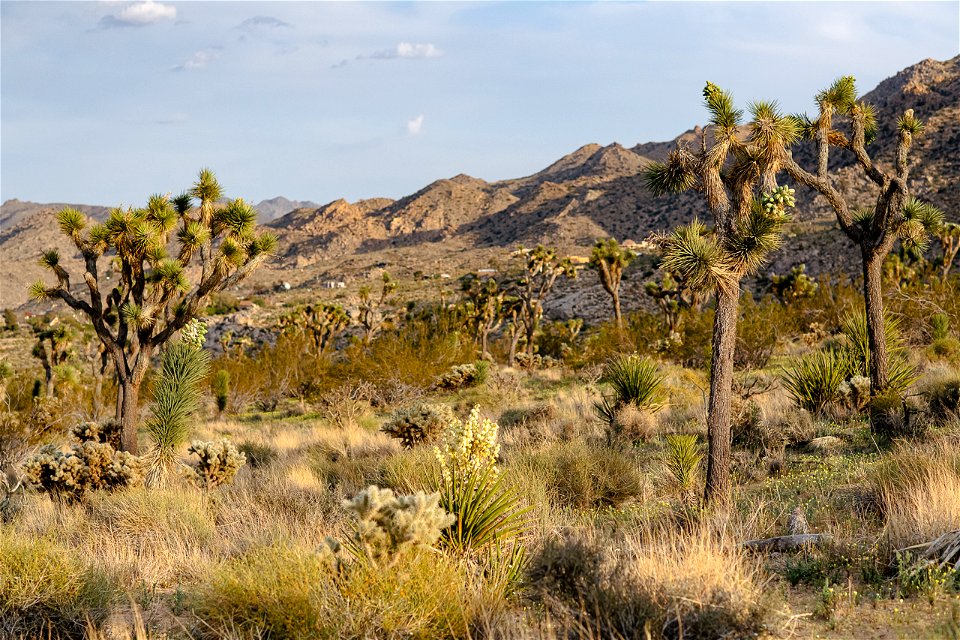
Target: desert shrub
<point x="692" y="586"/>
<point x="346" y="404"/>
<point x="566" y="567"/>
<point x="176" y="397"/>
<point x="283" y="591"/>
<point x="418" y="424"/>
<point x="257" y="455"/>
<point x="221" y="389"/>
<point x="631" y="379"/>
<point x="793" y="426"/>
<point x="919" y="490"/>
<point x="46" y="589"/>
<point x="814" y="381"/>
<point x="222" y="304"/>
<point x="218" y="462"/>
<point x="944" y="399"/>
<point x="22" y="430"/>
<point x="88" y="466"/>
<point x="751" y="430"/>
<point x="558" y="339"/>
<point x="891" y="417"/>
<point x="632" y="424"/>
<point x="585" y="475"/>
<point x="760" y="325"/>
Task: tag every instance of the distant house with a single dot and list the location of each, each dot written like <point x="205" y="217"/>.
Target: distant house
<point x="579" y="259"/>
<point x="486" y="272"/>
<point x="333" y="284"/>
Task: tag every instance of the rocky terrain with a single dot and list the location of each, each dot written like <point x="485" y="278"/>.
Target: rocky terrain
<point x="464" y="223"/>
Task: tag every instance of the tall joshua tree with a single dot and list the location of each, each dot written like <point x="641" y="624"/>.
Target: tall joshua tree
<point x="895" y="215"/>
<point x="732" y="171"/>
<point x="153" y="297"/>
<point x="322" y="323"/>
<point x="372" y="310"/>
<point x="610" y="259"/>
<point x="53" y="347"/>
<point x="484" y="299"/>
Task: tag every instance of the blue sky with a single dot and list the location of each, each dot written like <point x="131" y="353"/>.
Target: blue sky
<point x="108" y="102"/>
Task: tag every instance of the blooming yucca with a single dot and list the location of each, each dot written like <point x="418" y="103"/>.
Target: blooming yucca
<point x="469" y="447"/>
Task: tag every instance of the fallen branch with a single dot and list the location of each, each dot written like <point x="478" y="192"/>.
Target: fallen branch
<point x="788" y="543"/>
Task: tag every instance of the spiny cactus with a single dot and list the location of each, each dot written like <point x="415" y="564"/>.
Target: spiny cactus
<point x="387" y="524"/>
<point x="218" y="464"/>
<point x="794" y="285"/>
<point x="464" y="375"/>
<point x="88" y="466"/>
<point x="418" y="424"/>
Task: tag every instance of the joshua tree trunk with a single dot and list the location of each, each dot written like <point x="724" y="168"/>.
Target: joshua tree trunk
<point x="721" y="385"/>
<point x="876" y="334"/>
<point x="617" y="315"/>
<point x="128" y="396"/>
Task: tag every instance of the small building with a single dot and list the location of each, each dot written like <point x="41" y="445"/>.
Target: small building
<point x="489" y="273"/>
<point x="333" y="284"/>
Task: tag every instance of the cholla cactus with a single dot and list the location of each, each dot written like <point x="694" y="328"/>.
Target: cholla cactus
<point x="107" y="432"/>
<point x="418" y="424"/>
<point x="219" y="462"/>
<point x="469" y="447"/>
<point x="88" y="466"/>
<point x="195" y="333"/>
<point x="464" y="375"/>
<point x="389" y="524"/>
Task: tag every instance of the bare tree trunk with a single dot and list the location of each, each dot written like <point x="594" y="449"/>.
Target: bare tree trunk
<point x="514" y="341"/>
<point x="48" y="378"/>
<point x="876" y="334"/>
<point x="617" y="314"/>
<point x="721" y="385"/>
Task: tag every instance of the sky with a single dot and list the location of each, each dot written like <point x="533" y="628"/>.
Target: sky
<point x="108" y="102"/>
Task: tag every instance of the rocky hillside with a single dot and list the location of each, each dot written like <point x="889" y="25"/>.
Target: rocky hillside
<point x="463" y="222"/>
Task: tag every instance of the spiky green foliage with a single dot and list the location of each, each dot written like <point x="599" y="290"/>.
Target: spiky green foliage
<point x="908" y="123"/>
<point x="921" y="220"/>
<point x="683" y="457"/>
<point x="839" y="96"/>
<point x="720" y="105"/>
<point x="814" y="381"/>
<point x="321" y="323"/>
<point x="693" y="253"/>
<point x="793" y="286"/>
<point x="673" y="176"/>
<point x="176" y="397"/>
<point x="631" y="379"/>
<point x="421" y="423"/>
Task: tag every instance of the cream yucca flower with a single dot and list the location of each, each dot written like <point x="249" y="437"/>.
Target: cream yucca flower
<point x="469" y="447"/>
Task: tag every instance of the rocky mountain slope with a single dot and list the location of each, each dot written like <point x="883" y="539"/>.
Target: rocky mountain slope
<point x="464" y="223"/>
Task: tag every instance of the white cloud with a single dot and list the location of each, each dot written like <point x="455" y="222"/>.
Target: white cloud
<point x="409" y="50"/>
<point x="199" y="59"/>
<point x="140" y="14"/>
<point x="258" y="23"/>
<point x="415" y="126"/>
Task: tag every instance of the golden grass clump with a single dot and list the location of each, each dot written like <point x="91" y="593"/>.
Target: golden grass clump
<point x="919" y="490"/>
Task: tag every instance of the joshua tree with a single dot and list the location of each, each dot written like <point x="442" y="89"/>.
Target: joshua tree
<point x="542" y="268"/>
<point x="321" y="323"/>
<point x="673" y="296"/>
<point x="484" y="298"/>
<point x="53" y="348"/>
<point x="896" y="215"/>
<point x="153" y="297"/>
<point x="610" y="259"/>
<point x="371" y="313"/>
<point x="730" y="171"/>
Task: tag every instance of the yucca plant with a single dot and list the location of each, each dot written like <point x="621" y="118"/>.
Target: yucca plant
<point x="176" y="397"/>
<point x="486" y="508"/>
<point x="814" y="381"/>
<point x="682" y="460"/>
<point x="632" y="379"/>
<point x="900" y="374"/>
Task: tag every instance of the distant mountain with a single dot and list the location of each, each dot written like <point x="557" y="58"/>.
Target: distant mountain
<point x="13" y="212"/>
<point x="596" y="191"/>
<point x="274" y="208"/>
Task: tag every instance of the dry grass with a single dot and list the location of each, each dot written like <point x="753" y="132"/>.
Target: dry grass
<point x="920" y="492"/>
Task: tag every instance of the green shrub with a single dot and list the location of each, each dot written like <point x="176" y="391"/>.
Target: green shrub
<point x="944" y="398"/>
<point x="632" y="380"/>
<point x="46" y="589"/>
<point x="421" y="423"/>
<point x="257" y="455"/>
<point x="218" y="464"/>
<point x="464" y="375"/>
<point x="901" y="374"/>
